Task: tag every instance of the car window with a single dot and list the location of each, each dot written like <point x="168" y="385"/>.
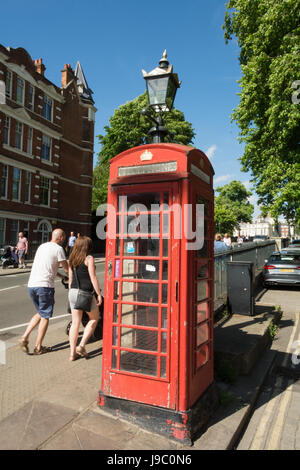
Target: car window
<point x="284" y="259"/>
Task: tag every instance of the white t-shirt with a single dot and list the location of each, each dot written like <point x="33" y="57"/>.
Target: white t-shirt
<point x="45" y="265"/>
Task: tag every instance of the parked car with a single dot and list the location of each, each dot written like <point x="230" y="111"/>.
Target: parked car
<point x="282" y="268"/>
<point x="295" y="244"/>
<point x="260" y="238"/>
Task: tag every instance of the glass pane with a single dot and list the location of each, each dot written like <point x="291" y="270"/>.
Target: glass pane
<point x="202" y="271"/>
<point x="202" y="290"/>
<point x="140" y="269"/>
<point x="138" y="363"/>
<point x="139" y="315"/>
<point x="139" y="339"/>
<point x="202" y="356"/>
<point x="157" y="90"/>
<point x="164" y="298"/>
<point x="164" y="342"/>
<point x="165" y="271"/>
<point x="164" y="317"/>
<point x="140" y="247"/>
<point x="205" y="202"/>
<point x="115" y="315"/>
<point x="203" y="252"/>
<point x="134" y="202"/>
<point x="202" y="334"/>
<point x="163" y="367"/>
<point x="202" y="312"/>
<point x="165" y="247"/>
<point x="115" y="336"/>
<point x="140" y="292"/>
<point x="116" y="290"/>
<point x="114" y="359"/>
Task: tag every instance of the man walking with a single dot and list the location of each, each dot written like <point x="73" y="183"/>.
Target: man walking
<point x="41" y="288"/>
<point x="22" y="248"/>
<point x="71" y="243"/>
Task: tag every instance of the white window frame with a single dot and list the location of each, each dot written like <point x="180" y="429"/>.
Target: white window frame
<point x="19" y="125"/>
<point x="6" y="181"/>
<point x="8" y="84"/>
<point x="46" y="143"/>
<point x="29" y="140"/>
<point x="49" y="190"/>
<point x="27" y="186"/>
<point x="47" y="102"/>
<point x="20" y="80"/>
<point x="31" y="103"/>
<point x="7" y="130"/>
<point x="19" y="184"/>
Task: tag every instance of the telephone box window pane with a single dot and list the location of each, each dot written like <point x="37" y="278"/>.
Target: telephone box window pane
<point x="202" y="334"/>
<point x="165" y="247"/>
<point x="140" y="247"/>
<point x="205" y="202"/>
<point x="203" y="252"/>
<point x="202" y="356"/>
<point x="166" y="198"/>
<point x="140" y="292"/>
<point x="139" y="339"/>
<point x="138" y="362"/>
<point x="165" y="271"/>
<point x="164" y="337"/>
<point x="115" y="336"/>
<point x="164" y="317"/>
<point x="115" y="316"/>
<point x="140" y="269"/>
<point x="114" y="359"/>
<point x="202" y="271"/>
<point x="164" y="296"/>
<point x="134" y="201"/>
<point x="139" y="315"/>
<point x="202" y="290"/>
<point x="166" y="219"/>
<point x="116" y="290"/>
<point x="202" y="312"/>
<point x="163" y="367"/>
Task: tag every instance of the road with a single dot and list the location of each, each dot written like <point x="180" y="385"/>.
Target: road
<point x="16" y="308"/>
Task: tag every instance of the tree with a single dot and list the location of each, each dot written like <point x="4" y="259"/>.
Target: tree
<point x="269" y="110"/>
<point x="127" y="129"/>
<point x="232" y="207"/>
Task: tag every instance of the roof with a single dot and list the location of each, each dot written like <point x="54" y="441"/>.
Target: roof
<point x="83" y="88"/>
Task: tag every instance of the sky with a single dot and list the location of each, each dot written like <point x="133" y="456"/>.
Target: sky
<point x="115" y="39"/>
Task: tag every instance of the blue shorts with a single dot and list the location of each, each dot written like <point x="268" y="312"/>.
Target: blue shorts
<point x="43" y="299"/>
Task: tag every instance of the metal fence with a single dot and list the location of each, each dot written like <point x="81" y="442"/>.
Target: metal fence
<point x="255" y="252"/>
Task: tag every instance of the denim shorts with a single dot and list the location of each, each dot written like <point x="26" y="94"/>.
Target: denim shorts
<point x="43" y="299"/>
<point x="73" y="297"/>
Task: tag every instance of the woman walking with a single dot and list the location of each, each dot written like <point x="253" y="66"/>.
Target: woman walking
<point x="82" y="275"/>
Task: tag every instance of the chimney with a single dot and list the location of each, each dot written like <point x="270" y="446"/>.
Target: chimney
<point x="40" y="67"/>
<point x="67" y="74"/>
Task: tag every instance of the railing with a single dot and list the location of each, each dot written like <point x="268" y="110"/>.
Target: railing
<point x="255" y="252"/>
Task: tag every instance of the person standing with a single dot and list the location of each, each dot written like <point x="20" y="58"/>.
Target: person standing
<point x="219" y="245"/>
<point x="45" y="266"/>
<point x="82" y="274"/>
<point x="71" y="243"/>
<point x="227" y="240"/>
<point x="22" y="249"/>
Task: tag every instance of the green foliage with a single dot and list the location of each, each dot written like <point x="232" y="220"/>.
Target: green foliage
<point x="268" y="36"/>
<point x="127" y="129"/>
<point x="232" y="207"/>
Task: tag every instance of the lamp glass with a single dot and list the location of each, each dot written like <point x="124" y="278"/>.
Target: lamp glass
<point x="157" y="90"/>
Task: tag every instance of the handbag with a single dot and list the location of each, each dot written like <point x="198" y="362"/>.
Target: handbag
<point x="84" y="298"/>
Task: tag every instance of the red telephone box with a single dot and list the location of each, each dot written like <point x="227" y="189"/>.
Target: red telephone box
<point x="158" y="318"/>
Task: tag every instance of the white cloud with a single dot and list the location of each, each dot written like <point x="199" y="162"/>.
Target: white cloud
<point x="223" y="178"/>
<point x="211" y="151"/>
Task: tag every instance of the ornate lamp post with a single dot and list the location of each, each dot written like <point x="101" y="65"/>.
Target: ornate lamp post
<point x="161" y="84"/>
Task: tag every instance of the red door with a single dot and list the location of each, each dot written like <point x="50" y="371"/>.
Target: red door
<point x="141" y="354"/>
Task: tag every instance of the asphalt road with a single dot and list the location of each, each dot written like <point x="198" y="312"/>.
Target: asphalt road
<point x="16" y="308"/>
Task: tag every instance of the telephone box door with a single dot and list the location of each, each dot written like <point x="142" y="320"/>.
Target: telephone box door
<point x="141" y="361"/>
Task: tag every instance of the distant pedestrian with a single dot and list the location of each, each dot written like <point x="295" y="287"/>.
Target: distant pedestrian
<point x="219" y="245"/>
<point x="71" y="243"/>
<point x="82" y="274"/>
<point x="22" y="249"/>
<point x="45" y="266"/>
<point x="227" y="240"/>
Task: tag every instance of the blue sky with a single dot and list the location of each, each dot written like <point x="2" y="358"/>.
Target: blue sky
<point x="115" y="39"/>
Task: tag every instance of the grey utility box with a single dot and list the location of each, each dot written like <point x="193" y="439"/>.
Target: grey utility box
<point x="240" y="287"/>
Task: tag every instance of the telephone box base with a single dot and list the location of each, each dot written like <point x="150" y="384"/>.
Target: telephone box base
<point x="183" y="426"/>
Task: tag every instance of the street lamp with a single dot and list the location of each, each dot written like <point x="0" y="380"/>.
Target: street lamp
<point x="161" y="84"/>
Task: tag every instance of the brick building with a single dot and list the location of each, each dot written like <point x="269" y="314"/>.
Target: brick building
<point x="46" y="149"/>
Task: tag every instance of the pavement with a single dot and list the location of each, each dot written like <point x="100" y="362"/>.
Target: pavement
<point x="49" y="403"/>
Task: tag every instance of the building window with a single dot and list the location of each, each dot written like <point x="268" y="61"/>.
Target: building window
<point x="44" y="191"/>
<point x="20" y="90"/>
<point x="46" y="148"/>
<point x="18" y="135"/>
<point x="4" y="181"/>
<point x="14" y="230"/>
<point x="43" y="232"/>
<point x="27" y="185"/>
<point x="8" y="84"/>
<point x="47" y="109"/>
<point x="2" y="231"/>
<point x="16" y="184"/>
<point x="29" y="140"/>
<point x="31" y="98"/>
<point x="6" y="130"/>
